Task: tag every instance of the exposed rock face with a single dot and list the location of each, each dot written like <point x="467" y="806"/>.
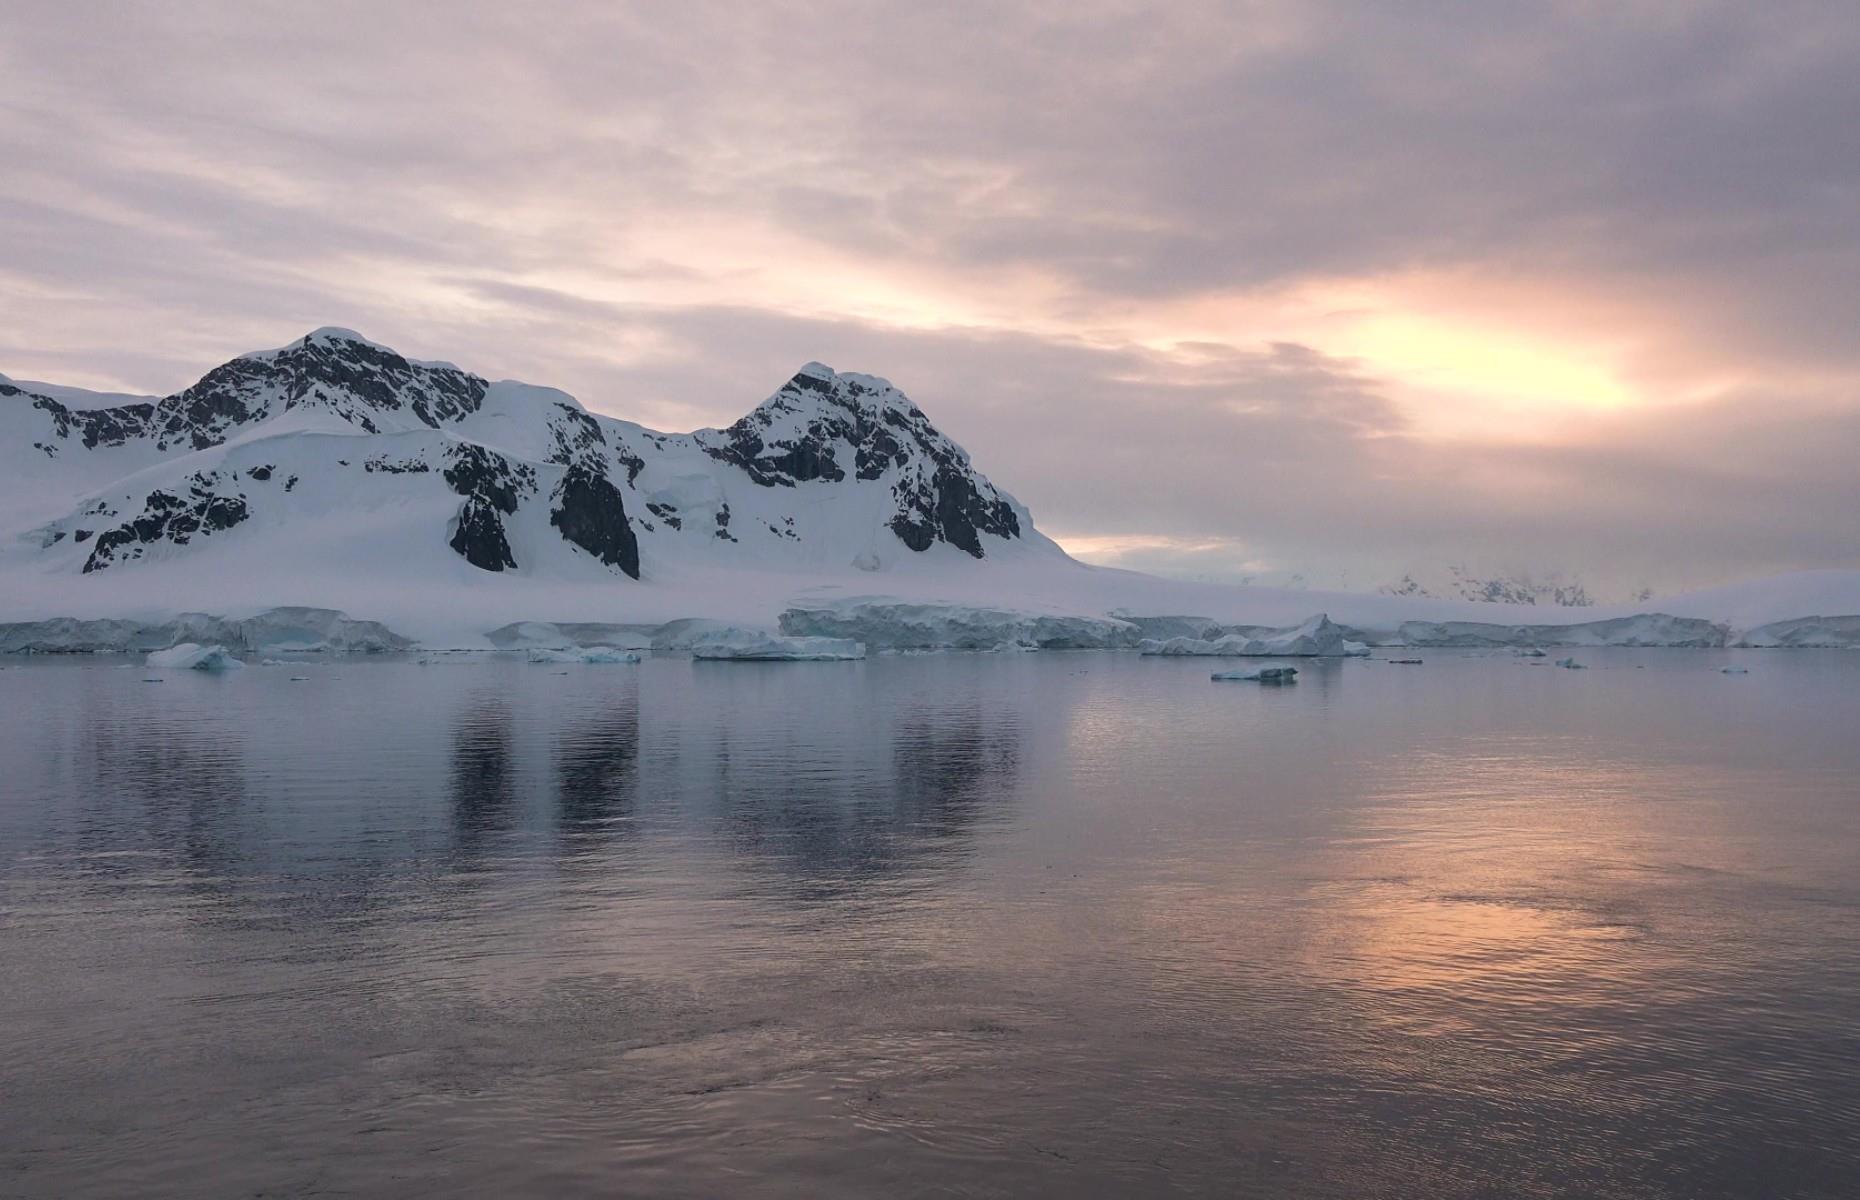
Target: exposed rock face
<point x="330" y="369"/>
<point x="590" y="513"/>
<point x="166" y="518"/>
<point x="478" y="537"/>
<point x="491" y="484"/>
<point x="93" y="427"/>
<point x="821" y="423"/>
<point x="353" y="379"/>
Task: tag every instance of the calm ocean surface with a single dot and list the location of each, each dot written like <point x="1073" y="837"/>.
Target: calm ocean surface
<point x="965" y="925"/>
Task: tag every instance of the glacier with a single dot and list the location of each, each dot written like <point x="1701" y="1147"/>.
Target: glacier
<point x="274" y="630"/>
<point x="1641" y="629"/>
<point x="748" y="645"/>
<point x="1315" y="637"/>
<point x="893" y="625"/>
<point x="1806" y="633"/>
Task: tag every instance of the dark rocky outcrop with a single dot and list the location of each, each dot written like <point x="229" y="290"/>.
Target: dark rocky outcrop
<point x="167" y="517"/>
<point x="93" y="427"/>
<point x="590" y="513"/>
<point x="803" y="433"/>
<point x="492" y="485"/>
<point x="478" y="537"/>
<point x="354" y="379"/>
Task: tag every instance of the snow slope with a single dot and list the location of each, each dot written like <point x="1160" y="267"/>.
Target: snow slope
<point x="335" y="474"/>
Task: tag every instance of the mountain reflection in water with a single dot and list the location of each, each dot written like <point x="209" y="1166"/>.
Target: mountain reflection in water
<point x="1051" y="924"/>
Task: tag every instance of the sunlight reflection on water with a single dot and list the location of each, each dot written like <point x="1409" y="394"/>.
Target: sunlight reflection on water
<point x="980" y="925"/>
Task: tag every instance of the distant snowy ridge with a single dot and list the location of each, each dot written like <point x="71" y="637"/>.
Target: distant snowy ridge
<point x="1523" y="587"/>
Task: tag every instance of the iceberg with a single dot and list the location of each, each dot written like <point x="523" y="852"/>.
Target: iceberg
<point x="592" y="655"/>
<point x="1258" y="675"/>
<point x="191" y="656"/>
<point x="1570" y="664"/>
<point x="749" y="645"/>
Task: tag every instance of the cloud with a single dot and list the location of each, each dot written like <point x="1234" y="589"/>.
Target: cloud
<point x="1311" y="285"/>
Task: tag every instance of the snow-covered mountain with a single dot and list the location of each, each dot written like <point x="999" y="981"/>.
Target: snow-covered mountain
<point x="335" y="453"/>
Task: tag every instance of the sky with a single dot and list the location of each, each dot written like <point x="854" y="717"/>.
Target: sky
<point x="1262" y="290"/>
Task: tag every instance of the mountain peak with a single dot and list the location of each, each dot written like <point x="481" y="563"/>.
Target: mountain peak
<point x="332" y="336"/>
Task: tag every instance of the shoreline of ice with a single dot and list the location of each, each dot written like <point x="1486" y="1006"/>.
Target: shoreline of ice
<point x="889" y="626"/>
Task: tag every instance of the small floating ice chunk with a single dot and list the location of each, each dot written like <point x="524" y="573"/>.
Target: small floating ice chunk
<point x="1735" y="671"/>
<point x="1570" y="664"/>
<point x="192" y="656"/>
<point x="1404" y="662"/>
<point x="1258" y="675"/>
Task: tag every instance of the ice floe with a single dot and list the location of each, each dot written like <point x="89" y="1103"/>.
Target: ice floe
<point x="592" y="655"/>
